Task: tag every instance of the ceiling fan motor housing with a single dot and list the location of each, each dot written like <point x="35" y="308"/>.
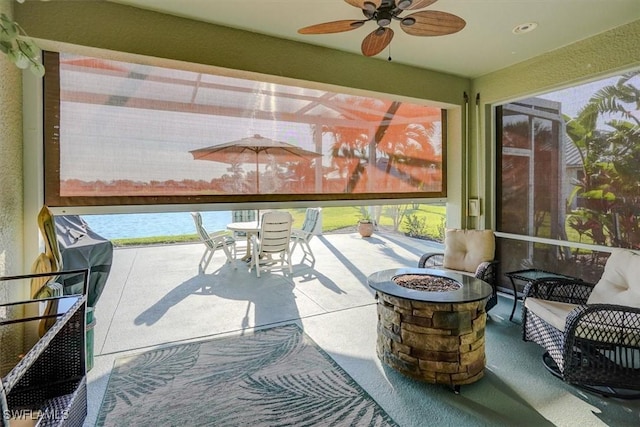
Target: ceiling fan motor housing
<point x="387" y="11"/>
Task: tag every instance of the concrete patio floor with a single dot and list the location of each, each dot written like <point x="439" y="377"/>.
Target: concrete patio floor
<point x="155" y="294"/>
<point x="155" y="297"/>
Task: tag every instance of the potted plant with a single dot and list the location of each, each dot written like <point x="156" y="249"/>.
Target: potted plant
<point x="365" y="225"/>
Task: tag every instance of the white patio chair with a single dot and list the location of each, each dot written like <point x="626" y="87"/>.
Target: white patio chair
<point x="212" y="242"/>
<point x="303" y="235"/>
<point x="274" y="239"/>
<point x="244" y="215"/>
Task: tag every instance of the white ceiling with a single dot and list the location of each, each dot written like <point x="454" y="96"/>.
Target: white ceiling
<point x="486" y="44"/>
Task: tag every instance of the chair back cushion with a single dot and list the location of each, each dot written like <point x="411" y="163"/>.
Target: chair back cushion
<point x="202" y="232"/>
<point x="620" y="281"/>
<point x="243" y="215"/>
<point x="310" y="220"/>
<point x="466" y="249"/>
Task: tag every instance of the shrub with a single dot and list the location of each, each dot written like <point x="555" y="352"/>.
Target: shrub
<point x="416" y="226"/>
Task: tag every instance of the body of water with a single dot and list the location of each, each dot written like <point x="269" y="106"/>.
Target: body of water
<point x="123" y="226"/>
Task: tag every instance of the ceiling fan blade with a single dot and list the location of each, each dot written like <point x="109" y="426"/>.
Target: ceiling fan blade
<point x="415" y="4"/>
<point x="376" y="41"/>
<point x="360" y="4"/>
<point x="332" y="27"/>
<point x="432" y="23"/>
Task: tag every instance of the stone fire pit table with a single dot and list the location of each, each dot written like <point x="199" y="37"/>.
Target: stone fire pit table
<point x="431" y="324"/>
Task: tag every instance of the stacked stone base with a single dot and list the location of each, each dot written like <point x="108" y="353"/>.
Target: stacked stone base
<point x="436" y="343"/>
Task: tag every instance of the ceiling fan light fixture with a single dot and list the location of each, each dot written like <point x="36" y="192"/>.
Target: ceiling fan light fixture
<point x="404" y="4"/>
<point x="408" y="21"/>
<point x="383" y="18"/>
<point x="369" y="6"/>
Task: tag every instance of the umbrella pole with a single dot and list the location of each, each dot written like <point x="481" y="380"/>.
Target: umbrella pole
<point x="257" y="175"/>
<point x="258" y="184"/>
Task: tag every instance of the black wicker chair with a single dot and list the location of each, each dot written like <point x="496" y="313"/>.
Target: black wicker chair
<point x="468" y="252"/>
<point x="589" y="343"/>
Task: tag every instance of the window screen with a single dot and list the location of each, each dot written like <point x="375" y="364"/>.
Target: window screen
<point x="126" y="133"/>
<point x="568" y="165"/>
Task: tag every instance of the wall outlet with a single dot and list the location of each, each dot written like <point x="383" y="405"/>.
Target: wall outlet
<point x="474" y="207"/>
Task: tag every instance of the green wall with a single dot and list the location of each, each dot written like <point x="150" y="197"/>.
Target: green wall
<point x="613" y="51"/>
<point x="605" y="54"/>
<point x="128" y="29"/>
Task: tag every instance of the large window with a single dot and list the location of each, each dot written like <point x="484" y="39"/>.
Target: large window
<point x="125" y="133"/>
<point x="569" y="169"/>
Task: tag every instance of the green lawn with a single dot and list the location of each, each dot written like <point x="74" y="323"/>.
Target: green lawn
<point x="156" y="240"/>
<point x="333" y="218"/>
<point x="336" y="218"/>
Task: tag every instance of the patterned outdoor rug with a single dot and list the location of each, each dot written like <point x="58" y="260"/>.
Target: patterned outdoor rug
<point x="275" y="377"/>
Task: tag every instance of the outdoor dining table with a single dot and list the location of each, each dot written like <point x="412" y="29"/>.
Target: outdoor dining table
<point x="248" y="227"/>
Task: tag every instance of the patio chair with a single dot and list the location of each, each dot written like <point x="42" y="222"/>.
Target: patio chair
<point x="303" y="235"/>
<point x="591" y="333"/>
<point x="244" y="215"/>
<point x="212" y="242"/>
<point x="274" y="239"/>
<point x="468" y="252"/>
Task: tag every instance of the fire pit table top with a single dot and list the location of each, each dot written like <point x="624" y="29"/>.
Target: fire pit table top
<point x="470" y="289"/>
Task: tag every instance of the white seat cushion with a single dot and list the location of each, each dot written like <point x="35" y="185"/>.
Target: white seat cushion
<point x="553" y="312"/>
<point x="620" y="281"/>
<point x="466" y="249"/>
<point x="592" y="326"/>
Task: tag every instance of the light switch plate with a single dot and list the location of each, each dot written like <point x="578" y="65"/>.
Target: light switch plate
<point x="474" y="207"/>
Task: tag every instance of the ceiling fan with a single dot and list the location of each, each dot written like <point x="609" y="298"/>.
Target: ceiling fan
<point x="383" y="12"/>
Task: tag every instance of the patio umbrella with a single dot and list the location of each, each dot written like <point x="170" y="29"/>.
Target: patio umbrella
<point x="262" y="148"/>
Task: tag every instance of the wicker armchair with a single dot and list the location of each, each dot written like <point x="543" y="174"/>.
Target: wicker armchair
<point x="468" y="252"/>
<point x="591" y="333"/>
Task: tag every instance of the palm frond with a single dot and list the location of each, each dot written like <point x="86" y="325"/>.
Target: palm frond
<point x="237" y="358"/>
<point x="324" y="397"/>
<point x="143" y="374"/>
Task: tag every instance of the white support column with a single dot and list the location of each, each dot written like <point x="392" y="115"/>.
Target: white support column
<point x="11" y="189"/>
<point x="33" y="166"/>
<point x="456" y="199"/>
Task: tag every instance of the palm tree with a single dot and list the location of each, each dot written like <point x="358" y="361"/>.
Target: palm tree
<point x="407" y="146"/>
<point x="610" y="158"/>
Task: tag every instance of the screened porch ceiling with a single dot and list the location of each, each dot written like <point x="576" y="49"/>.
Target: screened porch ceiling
<point x="106" y="82"/>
